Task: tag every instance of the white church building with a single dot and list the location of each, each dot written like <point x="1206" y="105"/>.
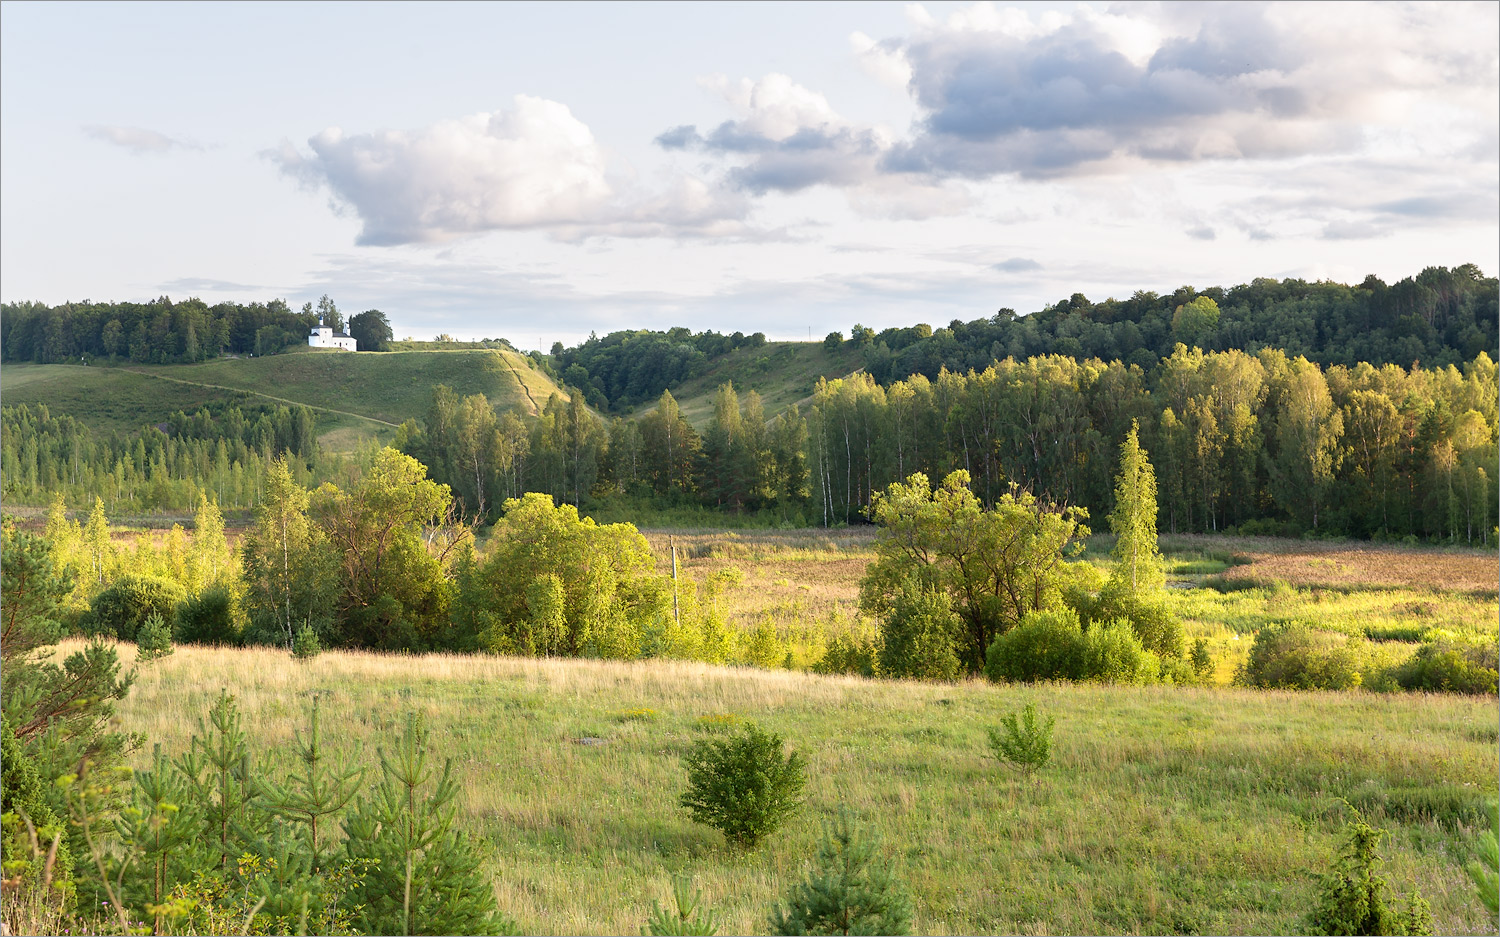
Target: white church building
<point x="323" y="337"/>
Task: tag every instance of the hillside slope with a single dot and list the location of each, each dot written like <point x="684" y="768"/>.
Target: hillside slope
<point x="355" y="395"/>
<point x="783" y="373"/>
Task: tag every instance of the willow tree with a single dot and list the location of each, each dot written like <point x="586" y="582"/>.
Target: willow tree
<point x="1134" y="519"/>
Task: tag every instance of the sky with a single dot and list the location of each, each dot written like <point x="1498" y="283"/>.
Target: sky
<point x="539" y="172"/>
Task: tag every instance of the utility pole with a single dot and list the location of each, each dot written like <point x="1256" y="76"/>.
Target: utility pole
<point x="676" y="612"/>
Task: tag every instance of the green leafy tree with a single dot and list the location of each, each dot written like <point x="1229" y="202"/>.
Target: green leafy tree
<point x="1134" y="519"/>
<point x="996" y="565"/>
<point x="1193" y="321"/>
<point x="208" y="618"/>
<point x="291" y="573"/>
<point x="849" y="890"/>
<point x="371" y="330"/>
<point x="744" y="787"/>
<point x="425" y="876"/>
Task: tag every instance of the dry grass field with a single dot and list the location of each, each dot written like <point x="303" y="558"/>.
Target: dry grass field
<point x="1167" y="809"/>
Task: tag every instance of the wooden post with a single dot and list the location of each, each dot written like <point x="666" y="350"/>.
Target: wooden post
<point x="676" y="612"/>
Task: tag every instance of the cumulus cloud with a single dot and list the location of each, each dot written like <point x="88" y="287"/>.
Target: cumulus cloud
<point x="532" y="166"/>
<point x="138" y="139"/>
<point x="1004" y="94"/>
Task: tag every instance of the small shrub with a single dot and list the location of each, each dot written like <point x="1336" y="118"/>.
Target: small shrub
<point x="764" y="648"/>
<point x="1159" y="631"/>
<point x="306" y="645"/>
<point x="1044" y="646"/>
<point x="153" y="641"/>
<point x="1201" y="659"/>
<point x="1112" y="653"/>
<point x="208" y="618"/>
<point x="1291" y="655"/>
<point x="847" y="654"/>
<point x="1453" y="666"/>
<point x="849" y="890"/>
<point x="1354" y="898"/>
<point x="744" y="787"/>
<point x="690" y="919"/>
<point x="124" y="606"/>
<point x="1023" y="740"/>
<point x="918" y="635"/>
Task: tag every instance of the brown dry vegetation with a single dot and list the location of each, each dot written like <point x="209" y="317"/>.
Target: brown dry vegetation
<point x="1391" y="567"/>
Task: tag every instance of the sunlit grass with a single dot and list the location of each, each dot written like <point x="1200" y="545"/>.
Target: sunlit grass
<point x="1167" y="809"/>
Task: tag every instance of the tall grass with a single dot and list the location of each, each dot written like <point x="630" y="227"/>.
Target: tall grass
<point x="1166" y="809"/>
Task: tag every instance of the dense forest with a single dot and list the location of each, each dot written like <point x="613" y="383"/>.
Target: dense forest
<point x="164" y="332"/>
<point x="1259" y="443"/>
<point x="1437" y="317"/>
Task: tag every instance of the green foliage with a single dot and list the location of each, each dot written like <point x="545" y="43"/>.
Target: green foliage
<point x="290" y="569"/>
<point x="424" y="875"/>
<point x="996" y="565"/>
<point x="1355" y="899"/>
<point x="1192" y="322"/>
<point x="1157" y="628"/>
<point x="313" y="798"/>
<point x="124" y="607"/>
<point x="1133" y="520"/>
<point x="154" y="640"/>
<point x="744" y="787"/>
<point x="306" y="645"/>
<point x="764" y="648"/>
<point x="848" y="654"/>
<point x="688" y="919"/>
<point x="551" y="582"/>
<point x="1484" y="867"/>
<point x="1202" y="661"/>
<point x="1023" y="740"/>
<point x="1112" y="653"/>
<point x="1452" y="666"/>
<point x="832" y="341"/>
<point x="850" y="889"/>
<point x="1292" y="655"/>
<point x="917" y="635"/>
<point x="1044" y="646"/>
<point x="208" y="618"/>
<point x="33" y="839"/>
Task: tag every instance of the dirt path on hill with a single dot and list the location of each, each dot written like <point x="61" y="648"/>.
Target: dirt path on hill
<point x="256" y="393"/>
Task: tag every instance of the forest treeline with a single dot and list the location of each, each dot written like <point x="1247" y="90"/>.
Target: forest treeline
<point x="1262" y="443"/>
<point x="1438" y="317"/>
<point x="220" y="450"/>
<point x="164" y="332"/>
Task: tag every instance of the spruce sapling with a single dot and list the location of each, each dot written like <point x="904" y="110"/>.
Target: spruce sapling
<point x="690" y="919"/>
<point x="322" y="790"/>
<point x="850" y="889"/>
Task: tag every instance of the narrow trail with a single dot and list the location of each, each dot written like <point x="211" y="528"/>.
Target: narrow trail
<point x="535" y="410"/>
<point x="254" y="393"/>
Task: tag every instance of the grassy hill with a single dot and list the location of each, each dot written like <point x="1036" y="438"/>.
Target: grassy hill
<point x="1167" y="810"/>
<point x="782" y="373"/>
<point x="355" y="395"/>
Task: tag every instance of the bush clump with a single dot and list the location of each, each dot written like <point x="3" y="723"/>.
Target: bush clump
<point x="1453" y="666"/>
<point x="124" y="606"/>
<point x="1292" y="655"/>
<point x="918" y="635"/>
<point x="1053" y="646"/>
<point x="744" y="787"/>
<point x="847" y="654"/>
<point x="208" y="618"/>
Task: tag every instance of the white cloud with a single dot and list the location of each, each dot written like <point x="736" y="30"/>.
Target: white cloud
<point x="137" y="139"/>
<point x="532" y="166"/>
